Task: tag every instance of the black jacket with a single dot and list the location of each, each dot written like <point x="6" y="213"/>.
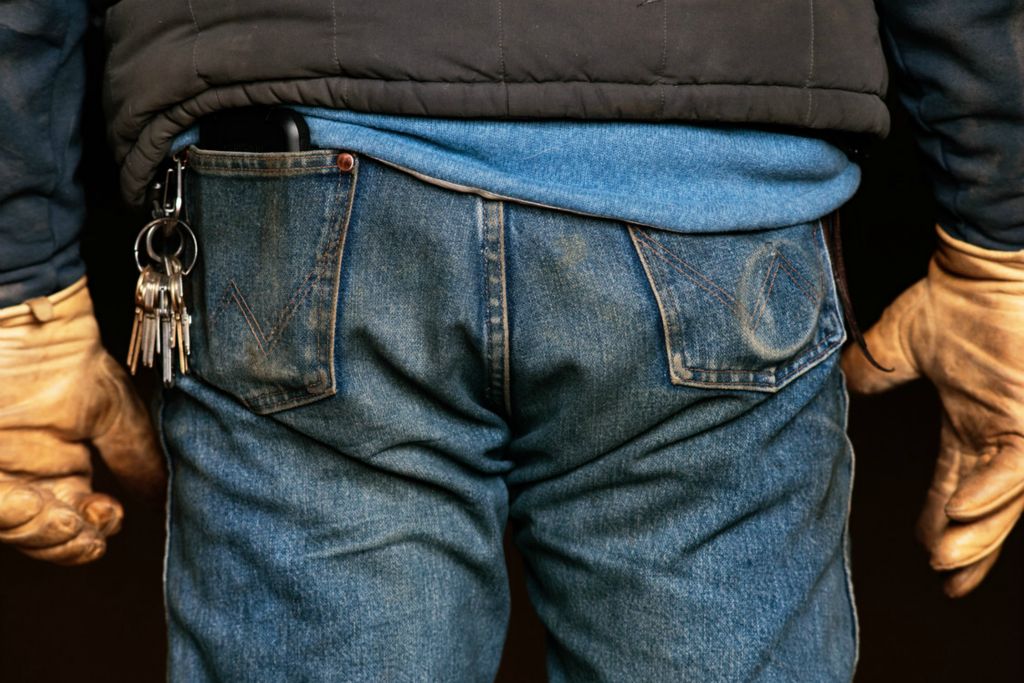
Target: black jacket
<point x="814" y="64"/>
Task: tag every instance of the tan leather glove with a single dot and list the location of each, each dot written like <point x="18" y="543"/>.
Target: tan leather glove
<point x="60" y="395"/>
<point x="962" y="327"/>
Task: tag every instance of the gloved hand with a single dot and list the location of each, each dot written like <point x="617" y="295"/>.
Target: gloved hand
<point x="60" y="394"/>
<point x="962" y="327"/>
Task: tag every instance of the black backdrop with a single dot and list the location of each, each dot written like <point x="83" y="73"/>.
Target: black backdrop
<point x="105" y="621"/>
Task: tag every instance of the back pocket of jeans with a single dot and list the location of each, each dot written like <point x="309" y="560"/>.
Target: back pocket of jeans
<point x="743" y="310"/>
<point x="271" y="230"/>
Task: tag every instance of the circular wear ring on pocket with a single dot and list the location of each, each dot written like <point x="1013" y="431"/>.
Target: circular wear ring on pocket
<point x="742" y="310"/>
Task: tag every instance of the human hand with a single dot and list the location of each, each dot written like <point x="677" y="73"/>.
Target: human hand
<point x="61" y="394"/>
<point x="962" y="327"/>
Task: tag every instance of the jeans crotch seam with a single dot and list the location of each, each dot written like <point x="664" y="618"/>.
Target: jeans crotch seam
<point x="496" y="327"/>
<point x="506" y="343"/>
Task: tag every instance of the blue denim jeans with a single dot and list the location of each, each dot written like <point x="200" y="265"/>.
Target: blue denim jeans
<point x="387" y="372"/>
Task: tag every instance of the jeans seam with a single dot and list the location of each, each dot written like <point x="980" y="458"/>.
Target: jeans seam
<point x="496" y="332"/>
<point x="506" y="342"/>
<point x="235" y="171"/>
<point x="666" y="320"/>
<point x="161" y="437"/>
<point x="847" y="565"/>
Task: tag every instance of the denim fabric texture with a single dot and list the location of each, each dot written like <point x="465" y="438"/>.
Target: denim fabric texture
<point x="386" y="373"/>
<point x="42" y="63"/>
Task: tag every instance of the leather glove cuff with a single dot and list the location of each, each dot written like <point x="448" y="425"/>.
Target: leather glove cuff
<point x="962" y="259"/>
<point x="70" y="302"/>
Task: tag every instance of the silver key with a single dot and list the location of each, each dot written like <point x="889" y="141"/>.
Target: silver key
<point x="135" y="346"/>
<point x="150" y="284"/>
<point x="180" y="338"/>
<point x="164" y="317"/>
<point x="150" y="291"/>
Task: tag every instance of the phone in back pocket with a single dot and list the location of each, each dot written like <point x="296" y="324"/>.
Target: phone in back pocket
<point x="254" y="129"/>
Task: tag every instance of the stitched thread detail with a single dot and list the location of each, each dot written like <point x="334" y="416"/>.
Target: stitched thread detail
<point x="501" y="54"/>
<point x="195" y="42"/>
<point x="496" y="333"/>
<point x="250" y="317"/>
<point x="799" y="87"/>
<point x="764" y="300"/>
<point x="663" y="64"/>
<point x="334" y="34"/>
<point x="771" y="378"/>
<point x="802" y="284"/>
<point x="268" y="341"/>
<point x="810" y="67"/>
<point x="506" y="341"/>
<point x="687" y="270"/>
<point x="232" y="171"/>
<point x="666" y="319"/>
<point x="269" y="398"/>
<point x="294" y="391"/>
<point x="773" y="270"/>
<point x="762" y="379"/>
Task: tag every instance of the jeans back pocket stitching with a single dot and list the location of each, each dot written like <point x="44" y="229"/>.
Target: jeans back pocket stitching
<point x="672" y="328"/>
<point x="669" y="323"/>
<point x="773" y="273"/>
<point x="336" y="254"/>
<point x="769" y="378"/>
<point x="233" y="292"/>
<point x="692" y="274"/>
<point x="798" y="279"/>
<point x="267" y="341"/>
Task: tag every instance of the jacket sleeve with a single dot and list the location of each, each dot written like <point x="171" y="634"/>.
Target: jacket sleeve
<point x="41" y="203"/>
<point x="960" y="65"/>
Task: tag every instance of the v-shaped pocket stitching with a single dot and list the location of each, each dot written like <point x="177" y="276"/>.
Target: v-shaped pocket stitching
<point x="267" y="341"/>
<point x="685" y="269"/>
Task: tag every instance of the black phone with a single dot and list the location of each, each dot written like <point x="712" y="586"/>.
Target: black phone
<point x="254" y="129"/>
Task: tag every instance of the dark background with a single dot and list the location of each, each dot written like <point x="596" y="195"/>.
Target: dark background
<point x="105" y="621"/>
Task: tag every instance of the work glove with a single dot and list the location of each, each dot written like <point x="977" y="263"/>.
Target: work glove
<point x="61" y="396"/>
<point x="962" y="327"/>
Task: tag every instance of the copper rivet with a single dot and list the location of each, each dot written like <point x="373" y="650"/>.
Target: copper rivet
<point x="345" y="162"/>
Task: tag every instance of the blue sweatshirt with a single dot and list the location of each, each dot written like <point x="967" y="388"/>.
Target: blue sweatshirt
<point x="673" y="176"/>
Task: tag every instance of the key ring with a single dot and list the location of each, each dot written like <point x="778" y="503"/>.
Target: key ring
<point x="171" y="222"/>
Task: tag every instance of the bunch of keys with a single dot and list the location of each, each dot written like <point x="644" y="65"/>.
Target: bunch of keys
<point x="162" y="321"/>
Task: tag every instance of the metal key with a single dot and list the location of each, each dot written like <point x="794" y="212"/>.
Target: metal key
<point x="149" y="322"/>
<point x="164" y="316"/>
<point x="135" y="345"/>
<point x="142" y="337"/>
<point x="182" y="320"/>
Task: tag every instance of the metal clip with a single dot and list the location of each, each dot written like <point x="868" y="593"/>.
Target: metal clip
<point x="171" y="208"/>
